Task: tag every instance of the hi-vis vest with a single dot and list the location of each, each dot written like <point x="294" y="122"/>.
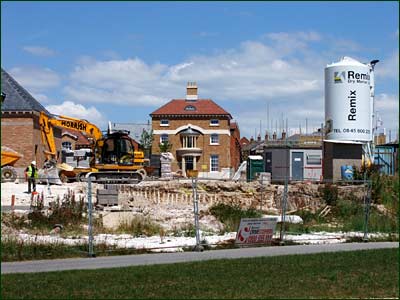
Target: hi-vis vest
<point x="30" y="172"/>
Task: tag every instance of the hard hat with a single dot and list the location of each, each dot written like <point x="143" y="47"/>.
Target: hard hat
<point x="33" y="163"/>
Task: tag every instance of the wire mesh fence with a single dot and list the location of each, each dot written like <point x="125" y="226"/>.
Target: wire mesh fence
<point x="329" y="211"/>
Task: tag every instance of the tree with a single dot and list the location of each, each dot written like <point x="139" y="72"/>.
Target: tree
<point x="146" y="140"/>
<point x="165" y="146"/>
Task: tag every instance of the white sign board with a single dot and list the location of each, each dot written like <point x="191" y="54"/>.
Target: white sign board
<point x="256" y="231"/>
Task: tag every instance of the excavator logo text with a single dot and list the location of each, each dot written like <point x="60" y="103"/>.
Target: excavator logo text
<point x="74" y="125"/>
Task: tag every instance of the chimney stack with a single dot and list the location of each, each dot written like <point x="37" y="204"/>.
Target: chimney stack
<point x="283" y="135"/>
<point x="259" y="138"/>
<point x="266" y="136"/>
<point x="191" y="91"/>
<point x="274" y="136"/>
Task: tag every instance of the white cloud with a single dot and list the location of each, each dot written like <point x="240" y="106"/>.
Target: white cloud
<point x="253" y="71"/>
<point x="75" y="110"/>
<point x="39" y="51"/>
<point x="42" y="98"/>
<point x="387" y="107"/>
<point x="281" y="69"/>
<point x="35" y="79"/>
<point x="389" y="66"/>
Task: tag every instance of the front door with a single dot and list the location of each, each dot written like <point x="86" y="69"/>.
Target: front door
<point x="297" y="165"/>
<point x="189" y="163"/>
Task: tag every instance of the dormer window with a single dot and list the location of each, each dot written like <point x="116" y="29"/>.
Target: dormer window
<point x="214" y="122"/>
<point x="164" y="122"/>
<point x="190" y="108"/>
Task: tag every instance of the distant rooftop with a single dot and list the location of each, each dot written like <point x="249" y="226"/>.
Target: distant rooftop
<point x="135" y="129"/>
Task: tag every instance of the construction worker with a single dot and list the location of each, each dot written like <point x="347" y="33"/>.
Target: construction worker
<point x="31" y="173"/>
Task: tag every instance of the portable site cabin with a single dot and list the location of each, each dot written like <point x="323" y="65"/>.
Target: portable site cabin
<point x="293" y="163"/>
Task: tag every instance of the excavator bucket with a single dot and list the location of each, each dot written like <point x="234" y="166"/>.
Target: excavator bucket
<point x="49" y="175"/>
<point x="50" y="172"/>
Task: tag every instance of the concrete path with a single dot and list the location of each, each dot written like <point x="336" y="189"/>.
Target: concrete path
<point x="167" y="258"/>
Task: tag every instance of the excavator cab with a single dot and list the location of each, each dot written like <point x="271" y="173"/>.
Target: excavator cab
<point x="115" y="149"/>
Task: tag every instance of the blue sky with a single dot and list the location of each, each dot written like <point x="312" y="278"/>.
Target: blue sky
<point x="119" y="61"/>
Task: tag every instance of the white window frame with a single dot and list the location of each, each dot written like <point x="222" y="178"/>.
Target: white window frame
<point x="189" y="141"/>
<point x="190" y="108"/>
<point x="314" y="159"/>
<point x="211" y="139"/>
<point x="69" y="144"/>
<point x="211" y="163"/>
<point x="166" y="122"/>
<point x="214" y="124"/>
<point x="161" y="138"/>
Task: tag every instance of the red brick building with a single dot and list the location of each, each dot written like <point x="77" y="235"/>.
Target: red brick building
<point x="20" y="123"/>
<point x="202" y="134"/>
<point x="74" y="140"/>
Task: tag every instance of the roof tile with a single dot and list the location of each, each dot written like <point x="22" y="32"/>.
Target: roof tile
<point x="202" y="107"/>
<point x="17" y="98"/>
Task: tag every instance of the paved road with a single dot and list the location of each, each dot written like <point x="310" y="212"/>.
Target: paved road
<point x="166" y="258"/>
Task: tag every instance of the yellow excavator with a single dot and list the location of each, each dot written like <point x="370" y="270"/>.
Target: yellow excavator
<point x="113" y="157"/>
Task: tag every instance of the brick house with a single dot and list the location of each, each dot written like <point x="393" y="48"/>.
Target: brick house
<point x="202" y="134"/>
<point x="20" y="123"/>
<point x="74" y="140"/>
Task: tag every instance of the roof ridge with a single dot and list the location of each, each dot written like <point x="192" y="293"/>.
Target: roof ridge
<point x="22" y="92"/>
<point x="204" y="107"/>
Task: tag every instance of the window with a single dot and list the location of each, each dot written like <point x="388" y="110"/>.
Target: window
<point x="313" y="159"/>
<point x="189" y="141"/>
<point x="164" y="138"/>
<point x="214" y="139"/>
<point x="214" y="163"/>
<point x="164" y="122"/>
<point x="190" y="108"/>
<point x="67" y="145"/>
<point x="214" y="122"/>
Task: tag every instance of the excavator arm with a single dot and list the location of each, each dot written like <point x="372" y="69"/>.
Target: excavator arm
<point x="46" y="128"/>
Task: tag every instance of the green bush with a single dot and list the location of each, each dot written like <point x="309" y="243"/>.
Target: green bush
<point x="139" y="226"/>
<point x="230" y="215"/>
<point x="16" y="250"/>
<point x="330" y="194"/>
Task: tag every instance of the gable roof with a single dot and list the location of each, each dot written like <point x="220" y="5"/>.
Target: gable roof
<point x="17" y="98"/>
<point x="81" y="138"/>
<point x="201" y="107"/>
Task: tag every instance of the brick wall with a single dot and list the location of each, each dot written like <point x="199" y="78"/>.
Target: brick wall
<point x="200" y="121"/>
<point x="236" y="148"/>
<point x="223" y="150"/>
<point x="21" y="133"/>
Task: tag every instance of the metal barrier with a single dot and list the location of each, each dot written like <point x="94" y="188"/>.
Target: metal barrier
<point x="364" y="184"/>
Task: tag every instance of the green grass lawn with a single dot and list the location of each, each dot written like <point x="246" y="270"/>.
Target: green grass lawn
<point x="358" y="274"/>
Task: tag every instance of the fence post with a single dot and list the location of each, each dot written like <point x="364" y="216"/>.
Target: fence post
<point x="367" y="204"/>
<point x="261" y="192"/>
<point x="12" y="203"/>
<point x="90" y="229"/>
<point x="198" y="247"/>
<point x="283" y="215"/>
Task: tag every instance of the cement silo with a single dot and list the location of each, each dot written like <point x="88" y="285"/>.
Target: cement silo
<point x="348" y="109"/>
